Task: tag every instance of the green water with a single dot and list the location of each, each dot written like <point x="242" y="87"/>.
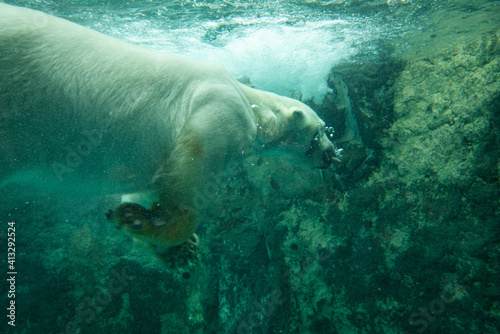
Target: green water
<point x="401" y="236"/>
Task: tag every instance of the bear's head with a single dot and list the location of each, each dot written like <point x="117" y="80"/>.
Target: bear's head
<point x="289" y="126"/>
<point x="309" y="135"/>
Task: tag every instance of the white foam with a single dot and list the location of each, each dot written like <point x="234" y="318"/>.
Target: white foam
<point x="285" y="60"/>
<point x="291" y="60"/>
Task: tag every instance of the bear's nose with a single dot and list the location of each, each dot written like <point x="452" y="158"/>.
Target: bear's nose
<point x="329" y="155"/>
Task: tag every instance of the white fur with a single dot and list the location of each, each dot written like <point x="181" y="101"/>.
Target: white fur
<point x="137" y="119"/>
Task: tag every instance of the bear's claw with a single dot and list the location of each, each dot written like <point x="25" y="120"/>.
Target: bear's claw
<point x="147" y="225"/>
<point x="180" y="256"/>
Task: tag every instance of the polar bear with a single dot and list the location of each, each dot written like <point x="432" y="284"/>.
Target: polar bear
<point x="94" y="113"/>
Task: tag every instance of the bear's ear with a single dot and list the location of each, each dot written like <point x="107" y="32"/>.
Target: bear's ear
<point x="298" y="116"/>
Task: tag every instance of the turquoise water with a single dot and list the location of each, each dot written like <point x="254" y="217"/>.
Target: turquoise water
<point x="287" y="47"/>
<point x="401" y="236"/>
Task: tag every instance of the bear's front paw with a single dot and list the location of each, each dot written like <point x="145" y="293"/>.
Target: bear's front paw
<point x="173" y="241"/>
<point x="179" y="257"/>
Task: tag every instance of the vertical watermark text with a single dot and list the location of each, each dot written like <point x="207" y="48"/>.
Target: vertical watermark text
<point x="11" y="273"/>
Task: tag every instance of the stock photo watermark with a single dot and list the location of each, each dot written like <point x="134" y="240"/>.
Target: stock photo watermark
<point x="91" y="307"/>
<point x="77" y="152"/>
<point x="269" y="305"/>
<point x="11" y="273"/>
<point x="204" y="196"/>
<point x="436" y="307"/>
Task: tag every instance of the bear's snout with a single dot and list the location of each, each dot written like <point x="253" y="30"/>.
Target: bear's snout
<point x="323" y="152"/>
<point x="328" y="156"/>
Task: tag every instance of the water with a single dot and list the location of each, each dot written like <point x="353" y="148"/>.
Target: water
<point x="400" y="237"/>
<point x="287" y="47"/>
